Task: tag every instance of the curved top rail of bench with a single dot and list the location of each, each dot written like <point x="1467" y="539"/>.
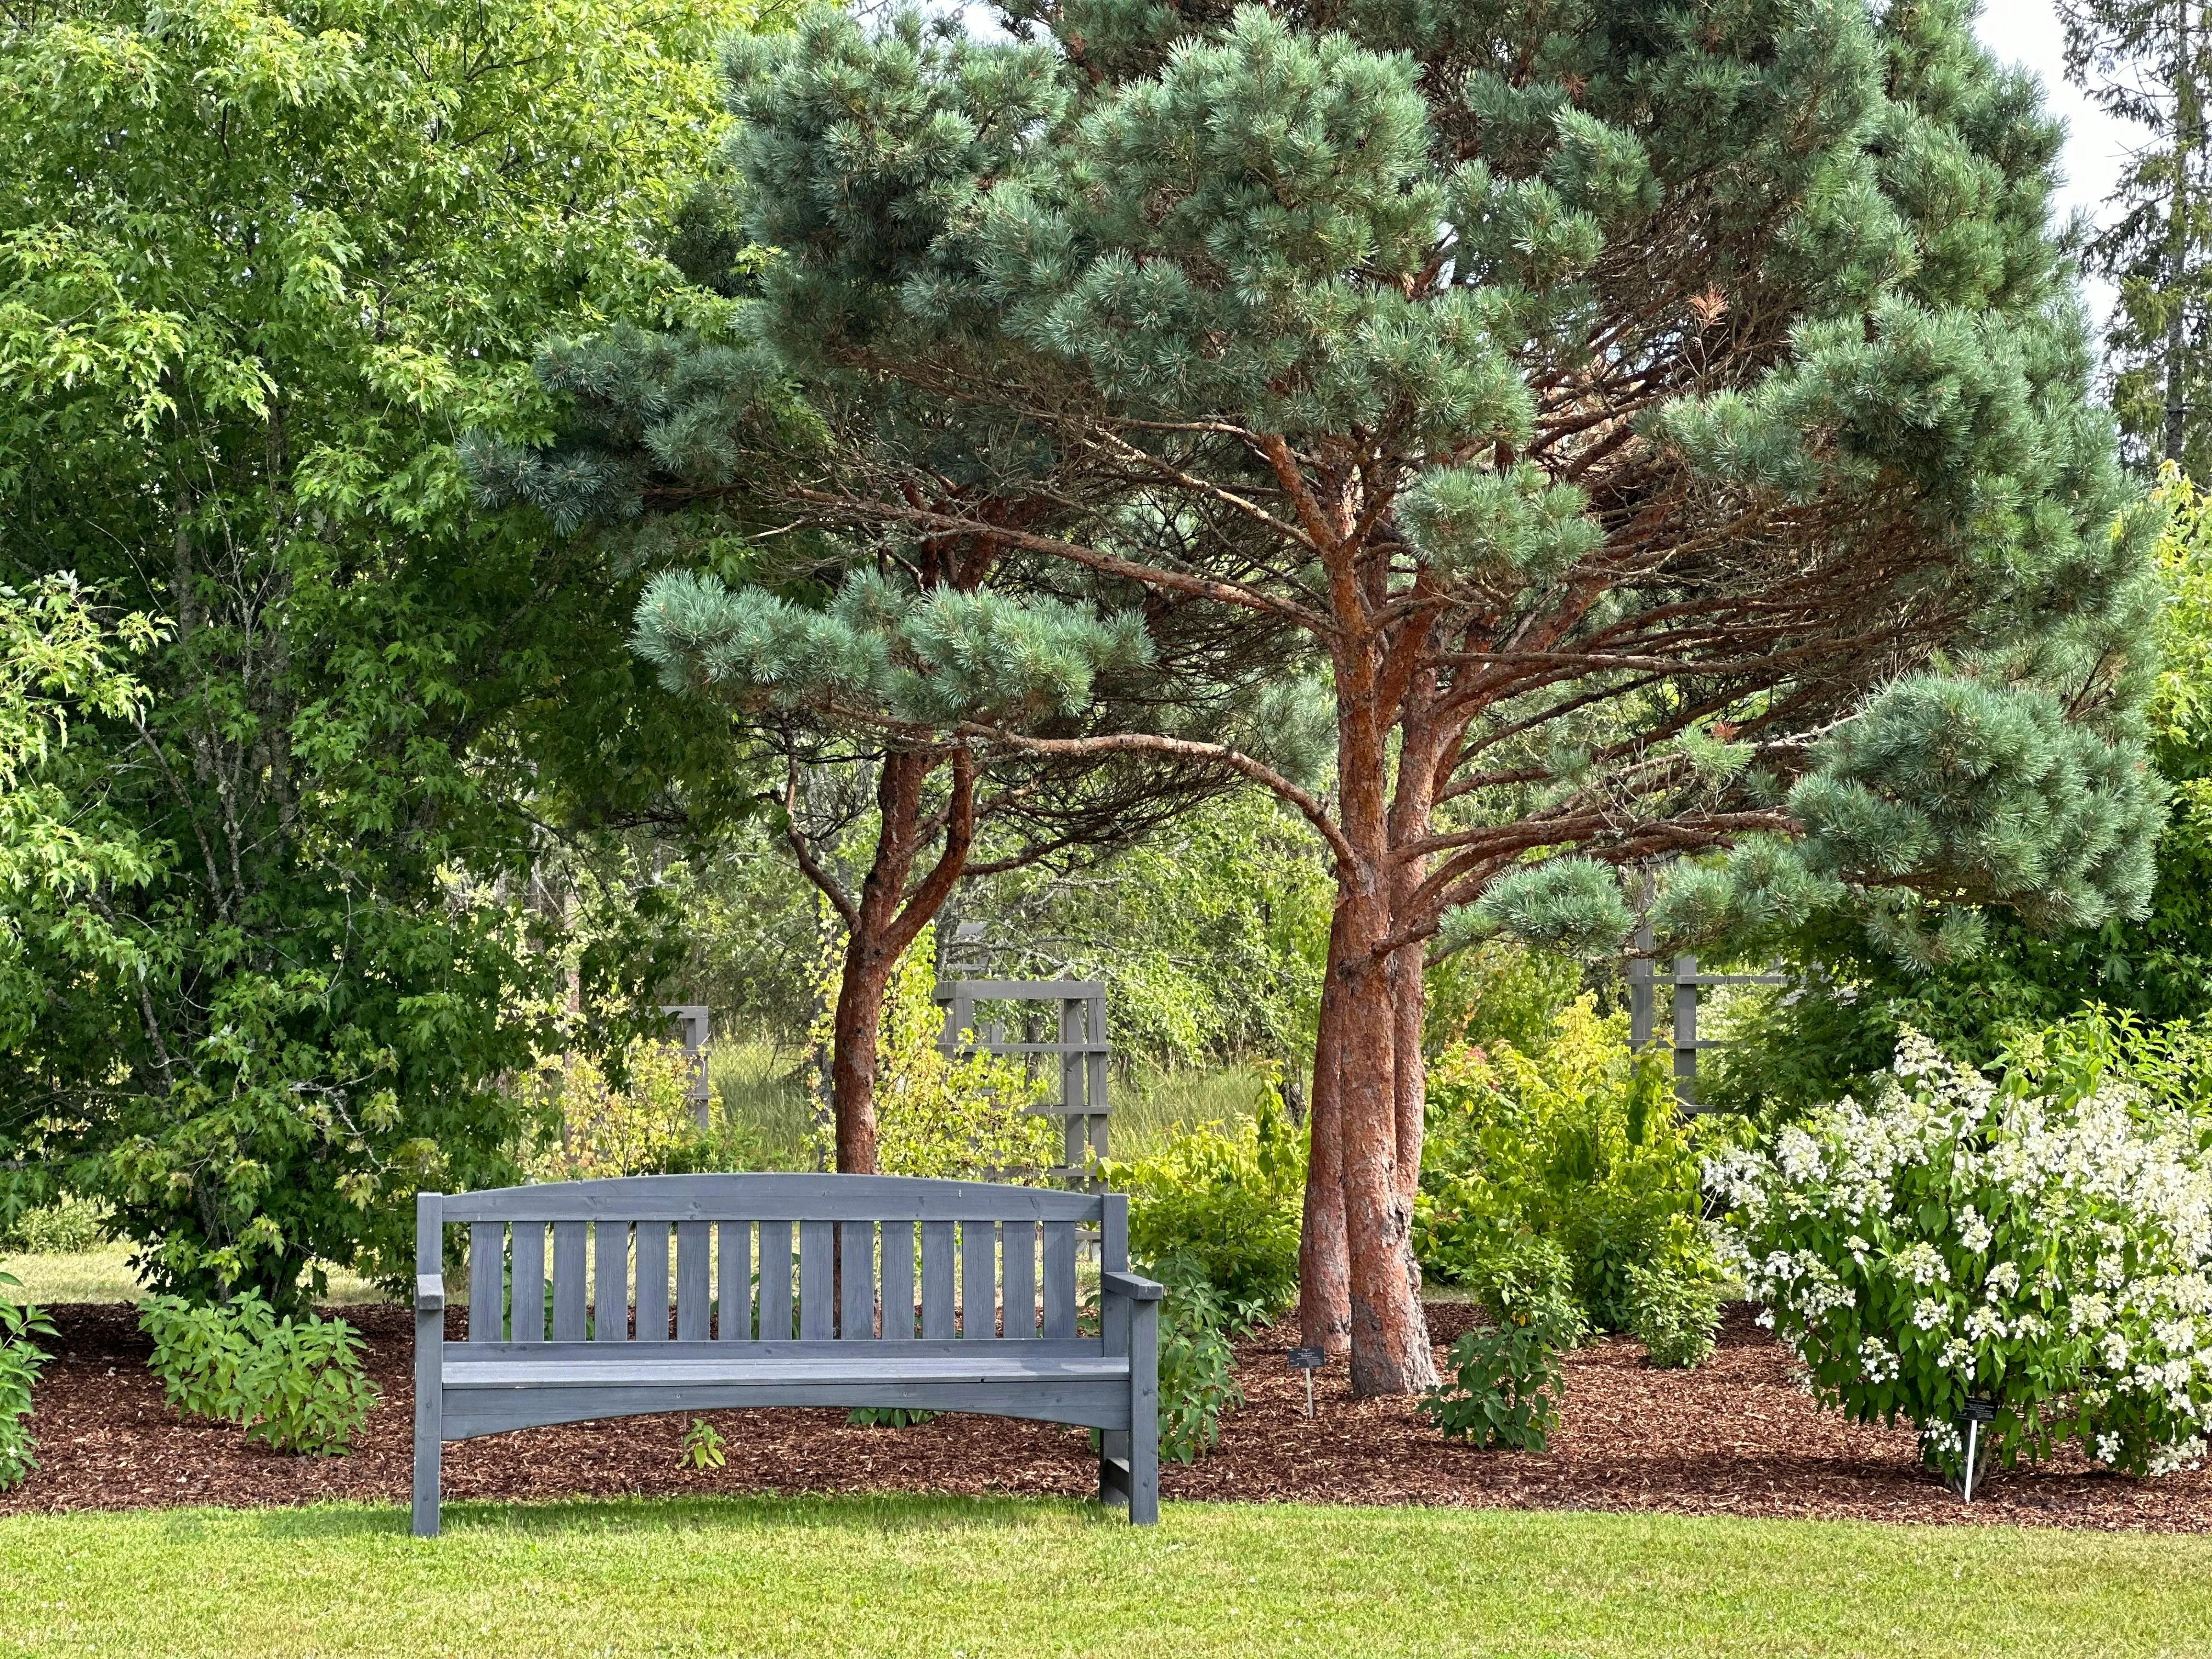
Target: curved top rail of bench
<point x="772" y="1198"/>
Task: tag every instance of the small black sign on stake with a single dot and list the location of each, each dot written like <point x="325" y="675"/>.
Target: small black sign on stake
<point x="1977" y="1412"/>
<point x="1308" y="1361"/>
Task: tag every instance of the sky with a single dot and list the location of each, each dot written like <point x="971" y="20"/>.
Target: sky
<point x="2025" y="31"/>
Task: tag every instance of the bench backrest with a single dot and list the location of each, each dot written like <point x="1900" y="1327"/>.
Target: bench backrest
<point x="772" y="1258"/>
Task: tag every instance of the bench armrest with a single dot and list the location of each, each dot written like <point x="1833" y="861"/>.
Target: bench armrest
<point x="1135" y="1287"/>
<point x="429" y="1293"/>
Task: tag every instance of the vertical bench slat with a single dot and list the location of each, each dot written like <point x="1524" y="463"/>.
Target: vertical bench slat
<point x="733" y="1298"/>
<point x="527" y="1300"/>
<point x="979" y="1273"/>
<point x="1060" y="1278"/>
<point x="1018" y="1244"/>
<point x="937" y="1279"/>
<point x="611" y="1281"/>
<point x="898" y="1281"/>
<point x="487" y="1246"/>
<point x="776" y="1281"/>
<point x="570" y="1322"/>
<point x="692" y="1280"/>
<point x="653" y="1281"/>
<point x="856" y="1280"/>
<point x="817" y="1268"/>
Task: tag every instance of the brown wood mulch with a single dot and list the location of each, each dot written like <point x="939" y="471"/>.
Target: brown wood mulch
<point x="1735" y="1436"/>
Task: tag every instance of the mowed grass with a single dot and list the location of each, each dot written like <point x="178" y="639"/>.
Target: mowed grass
<point x="976" y="1578"/>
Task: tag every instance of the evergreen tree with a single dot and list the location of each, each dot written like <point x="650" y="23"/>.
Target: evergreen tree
<point x="1666" y="430"/>
<point x="2150" y="61"/>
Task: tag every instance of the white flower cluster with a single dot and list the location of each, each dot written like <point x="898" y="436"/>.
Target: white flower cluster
<point x="1890" y="1243"/>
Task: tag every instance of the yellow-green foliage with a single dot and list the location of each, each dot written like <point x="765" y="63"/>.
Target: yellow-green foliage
<point x="966" y="1118"/>
<point x="1579" y="1144"/>
<point x="645" y="1127"/>
<point x="1226" y="1203"/>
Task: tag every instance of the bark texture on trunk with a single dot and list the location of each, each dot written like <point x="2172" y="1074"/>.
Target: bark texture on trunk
<point x="882" y="923"/>
<point x="1324" y="1268"/>
<point x="1390" y="1350"/>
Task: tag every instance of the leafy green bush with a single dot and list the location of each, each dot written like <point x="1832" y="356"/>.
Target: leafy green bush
<point x="1504" y="1388"/>
<point x="2042" y="1243"/>
<point x="1198" y="1379"/>
<point x="888" y="1416"/>
<point x="1526" y="1280"/>
<point x="1578" y="1146"/>
<point x="21" y="1361"/>
<point x="295" y="1385"/>
<point x="1674" y="1316"/>
<point x="1226" y="1204"/>
<point x="702" y="1447"/>
<point x="67" y="1227"/>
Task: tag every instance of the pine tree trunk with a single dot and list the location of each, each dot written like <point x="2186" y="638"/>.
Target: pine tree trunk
<point x="1389" y="1334"/>
<point x="1324" y="1268"/>
<point x="880" y="925"/>
<point x="853" y="1031"/>
<point x="1390" y="1350"/>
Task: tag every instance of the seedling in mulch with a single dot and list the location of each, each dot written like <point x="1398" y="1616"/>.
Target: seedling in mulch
<point x="702" y="1447"/>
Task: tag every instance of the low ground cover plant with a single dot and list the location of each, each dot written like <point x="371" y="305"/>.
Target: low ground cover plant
<point x="296" y="1385"/>
<point x="2042" y="1242"/>
<point x="1579" y="1147"/>
<point x="21" y="1361"/>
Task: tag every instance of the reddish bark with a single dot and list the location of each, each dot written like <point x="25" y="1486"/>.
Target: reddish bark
<point x="1324" y="1268"/>
<point x="882" y="923"/>
<point x="1389" y="1335"/>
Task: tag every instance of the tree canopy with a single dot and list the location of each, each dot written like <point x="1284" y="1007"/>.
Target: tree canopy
<point x="260" y="264"/>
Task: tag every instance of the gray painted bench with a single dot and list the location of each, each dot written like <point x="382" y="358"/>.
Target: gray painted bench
<point x="930" y="1295"/>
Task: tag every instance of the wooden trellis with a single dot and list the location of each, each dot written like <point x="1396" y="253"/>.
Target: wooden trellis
<point x="1075" y="1008"/>
<point x="1643" y="1011"/>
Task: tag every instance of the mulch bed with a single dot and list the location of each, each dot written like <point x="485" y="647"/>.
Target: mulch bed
<point x="1735" y="1436"/>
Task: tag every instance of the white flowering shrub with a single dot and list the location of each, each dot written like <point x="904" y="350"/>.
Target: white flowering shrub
<point x="2044" y="1247"/>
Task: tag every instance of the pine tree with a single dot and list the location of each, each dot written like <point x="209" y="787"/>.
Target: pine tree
<point x="1666" y="430"/>
<point x="2150" y="61"/>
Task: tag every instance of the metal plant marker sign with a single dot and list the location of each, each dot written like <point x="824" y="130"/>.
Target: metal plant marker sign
<point x="1308" y="1361"/>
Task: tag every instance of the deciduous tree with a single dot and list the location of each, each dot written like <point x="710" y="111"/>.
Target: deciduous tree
<point x="259" y="263"/>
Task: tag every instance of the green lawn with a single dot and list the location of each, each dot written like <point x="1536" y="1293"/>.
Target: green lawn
<point x="941" y="1577"/>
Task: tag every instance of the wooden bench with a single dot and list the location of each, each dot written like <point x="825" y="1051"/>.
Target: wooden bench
<point x="837" y="1320"/>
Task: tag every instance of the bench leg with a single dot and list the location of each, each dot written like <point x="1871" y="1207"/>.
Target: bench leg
<point x="1114" y="1468"/>
<point x="429" y="1419"/>
<point x="1145" y="1413"/>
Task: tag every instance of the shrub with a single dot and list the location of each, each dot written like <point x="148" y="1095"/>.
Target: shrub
<point x="1198" y="1379"/>
<point x="702" y="1447"/>
<point x="888" y="1416"/>
<point x="295" y="1385"/>
<point x="21" y="1361"/>
<point x="1579" y="1146"/>
<point x="1526" y="1280"/>
<point x="2041" y="1243"/>
<point x="649" y="1125"/>
<point x="67" y="1227"/>
<point x="1226" y="1204"/>
<point x="1504" y="1388"/>
<point x="1675" y="1316"/>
